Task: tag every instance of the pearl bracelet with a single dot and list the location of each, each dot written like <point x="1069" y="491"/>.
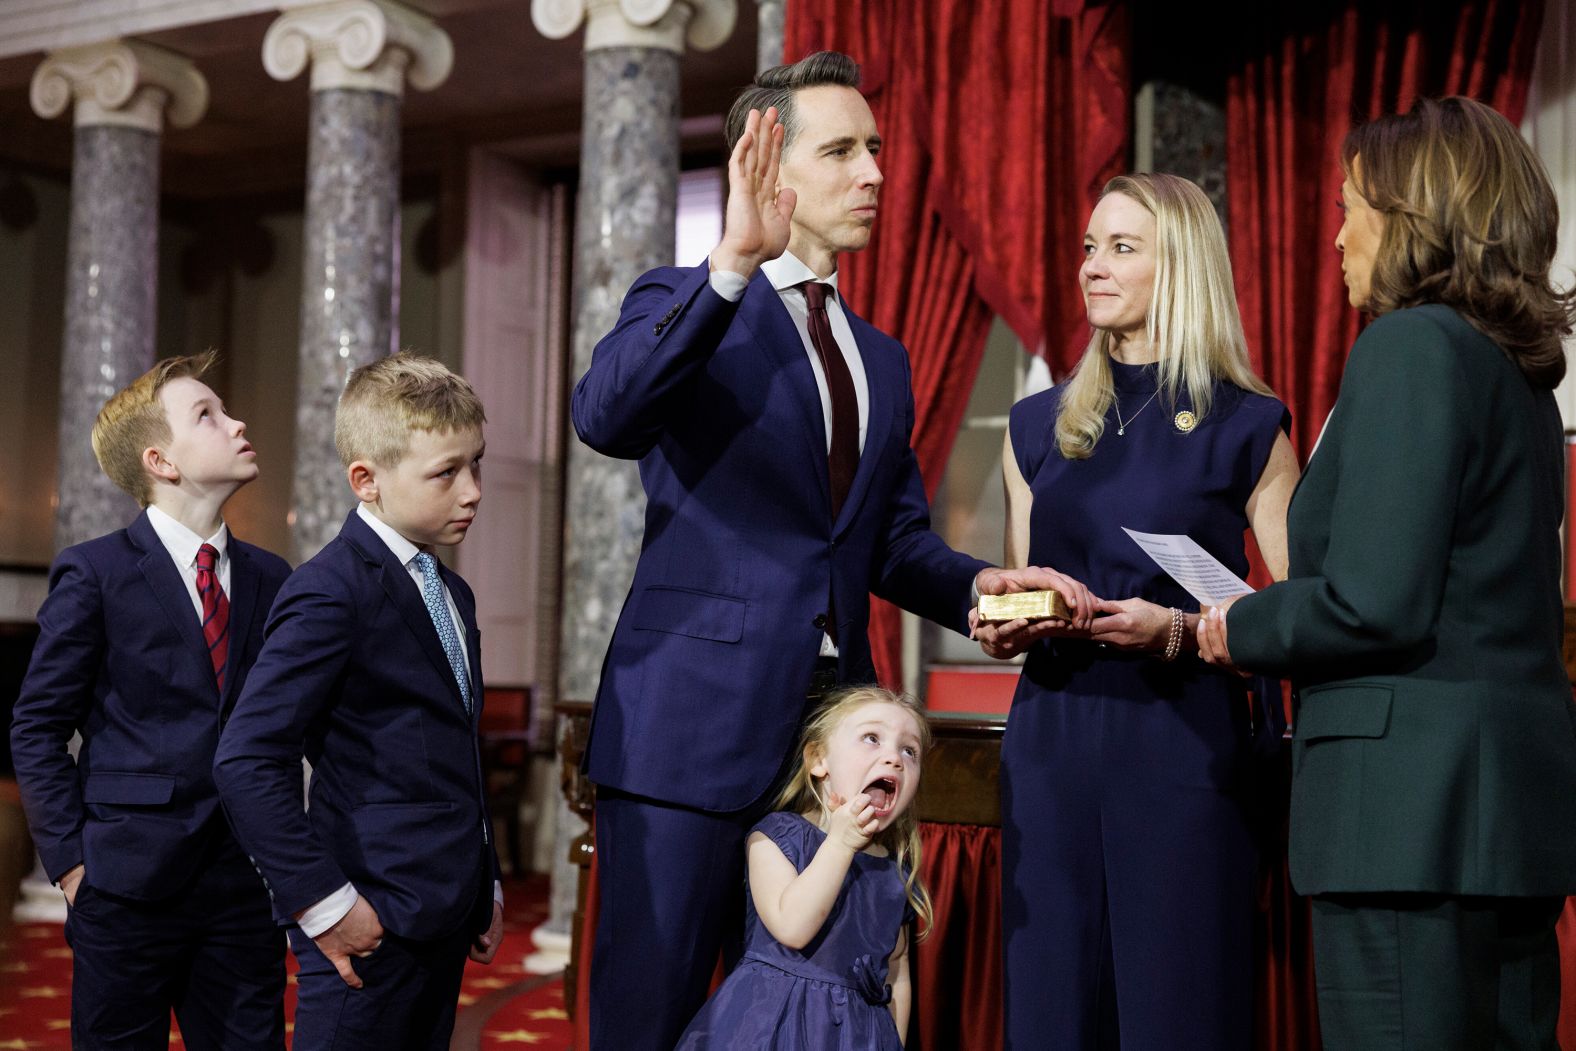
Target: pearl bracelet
<point x="1174" y="640"/>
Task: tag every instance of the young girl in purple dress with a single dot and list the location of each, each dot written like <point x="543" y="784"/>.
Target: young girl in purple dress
<point x="834" y="886"/>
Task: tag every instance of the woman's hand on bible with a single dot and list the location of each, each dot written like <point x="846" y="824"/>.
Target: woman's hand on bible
<point x="1132" y="624"/>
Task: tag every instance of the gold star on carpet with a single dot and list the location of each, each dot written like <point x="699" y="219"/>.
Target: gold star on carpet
<point x="39" y="930"/>
<point x="543" y="1014"/>
<point x="45" y="992"/>
<point x="289" y="1027"/>
<point x="489" y="983"/>
<point x="291" y="980"/>
<point x="517" y="1036"/>
<point x="58" y="954"/>
<point x="16" y="967"/>
<point x="55" y="1025"/>
<point x="466" y="1000"/>
<point x="18" y="1044"/>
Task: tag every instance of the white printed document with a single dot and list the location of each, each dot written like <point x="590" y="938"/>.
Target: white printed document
<point x="1191" y="566"/>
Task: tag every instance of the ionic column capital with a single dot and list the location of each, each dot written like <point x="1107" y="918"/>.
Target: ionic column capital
<point x="372" y="45"/>
<point x="123" y="82"/>
<point x="664" y="24"/>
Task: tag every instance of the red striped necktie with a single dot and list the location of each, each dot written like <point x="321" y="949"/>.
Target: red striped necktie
<point x="215" y="611"/>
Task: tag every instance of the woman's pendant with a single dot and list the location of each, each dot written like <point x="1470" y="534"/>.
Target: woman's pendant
<point x="1121" y="431"/>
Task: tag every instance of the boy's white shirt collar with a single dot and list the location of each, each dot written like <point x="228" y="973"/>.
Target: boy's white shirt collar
<point x="403" y="549"/>
<point x="181" y="542"/>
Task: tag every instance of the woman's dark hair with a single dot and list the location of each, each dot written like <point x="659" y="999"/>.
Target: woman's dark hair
<point x="1470" y="222"/>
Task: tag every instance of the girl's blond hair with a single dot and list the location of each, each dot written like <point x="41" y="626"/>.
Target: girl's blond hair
<point x="801" y="795"/>
<point x="1193" y="321"/>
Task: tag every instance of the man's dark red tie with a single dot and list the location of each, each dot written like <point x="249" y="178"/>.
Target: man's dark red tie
<point x="843" y="458"/>
<point x="215" y="611"/>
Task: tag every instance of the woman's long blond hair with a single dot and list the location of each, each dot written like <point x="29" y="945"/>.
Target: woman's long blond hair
<point x="1193" y="322"/>
<point x="802" y="795"/>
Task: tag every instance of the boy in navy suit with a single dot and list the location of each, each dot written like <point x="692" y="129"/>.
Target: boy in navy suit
<point x="372" y="671"/>
<point x="144" y="644"/>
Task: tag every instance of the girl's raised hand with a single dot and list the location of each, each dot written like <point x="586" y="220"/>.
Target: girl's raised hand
<point x="853" y="822"/>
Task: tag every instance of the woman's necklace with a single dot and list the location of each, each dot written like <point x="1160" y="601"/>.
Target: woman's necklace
<point x="1121" y="424"/>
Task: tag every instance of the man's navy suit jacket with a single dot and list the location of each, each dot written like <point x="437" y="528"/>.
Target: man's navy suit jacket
<point x="354" y="677"/>
<point x="121" y="657"/>
<point x="703" y="686"/>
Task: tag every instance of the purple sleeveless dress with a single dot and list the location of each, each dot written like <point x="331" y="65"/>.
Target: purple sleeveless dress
<point x="830" y="996"/>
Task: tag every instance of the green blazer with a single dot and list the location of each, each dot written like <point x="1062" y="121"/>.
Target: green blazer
<point x="1435" y="746"/>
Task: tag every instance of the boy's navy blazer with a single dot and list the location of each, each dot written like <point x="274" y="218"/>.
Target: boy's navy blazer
<point x="703" y="687"/>
<point x="121" y="657"/>
<point x="353" y="676"/>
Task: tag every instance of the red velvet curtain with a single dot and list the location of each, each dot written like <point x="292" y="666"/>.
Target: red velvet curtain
<point x="957" y="968"/>
<point x="1301" y="77"/>
<point x="996" y="115"/>
<point x="1091" y="110"/>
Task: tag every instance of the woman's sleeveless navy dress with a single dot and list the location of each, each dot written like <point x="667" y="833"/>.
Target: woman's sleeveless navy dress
<point x="1127" y="883"/>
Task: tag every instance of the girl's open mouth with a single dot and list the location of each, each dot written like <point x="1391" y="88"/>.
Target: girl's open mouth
<point x="882" y="791"/>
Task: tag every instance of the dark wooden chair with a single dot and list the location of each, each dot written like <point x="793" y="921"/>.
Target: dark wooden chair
<point x="508" y="741"/>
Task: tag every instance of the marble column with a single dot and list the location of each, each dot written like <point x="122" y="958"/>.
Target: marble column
<point x="361" y="52"/>
<point x="1179" y="131"/>
<point x="629" y="168"/>
<point x="769" y="18"/>
<point x="123" y="90"/>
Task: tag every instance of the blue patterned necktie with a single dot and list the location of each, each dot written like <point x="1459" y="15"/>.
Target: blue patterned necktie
<point x="438" y="610"/>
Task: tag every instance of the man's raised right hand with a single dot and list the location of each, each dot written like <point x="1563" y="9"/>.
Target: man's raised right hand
<point x="755" y="227"/>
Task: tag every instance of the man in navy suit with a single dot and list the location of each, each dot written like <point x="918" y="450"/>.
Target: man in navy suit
<point x="372" y="671"/>
<point x="145" y="641"/>
<point x="772" y="428"/>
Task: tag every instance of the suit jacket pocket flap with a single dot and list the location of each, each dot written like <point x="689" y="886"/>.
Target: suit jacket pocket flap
<point x="1346" y="710"/>
<point x="698" y="614"/>
<point x="150" y="789"/>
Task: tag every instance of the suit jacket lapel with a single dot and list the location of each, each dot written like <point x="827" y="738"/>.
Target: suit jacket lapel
<point x="244" y="595"/>
<point x="774" y="330"/>
<point x="396" y="582"/>
<point x="168" y="587"/>
<point x="881" y="389"/>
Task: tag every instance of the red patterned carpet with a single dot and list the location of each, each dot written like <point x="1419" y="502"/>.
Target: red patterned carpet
<point x="501" y="1006"/>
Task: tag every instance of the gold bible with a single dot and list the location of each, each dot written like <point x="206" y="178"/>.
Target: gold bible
<point x="1029" y="605"/>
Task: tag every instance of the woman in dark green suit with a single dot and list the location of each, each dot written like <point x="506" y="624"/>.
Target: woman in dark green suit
<point x="1434" y="795"/>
